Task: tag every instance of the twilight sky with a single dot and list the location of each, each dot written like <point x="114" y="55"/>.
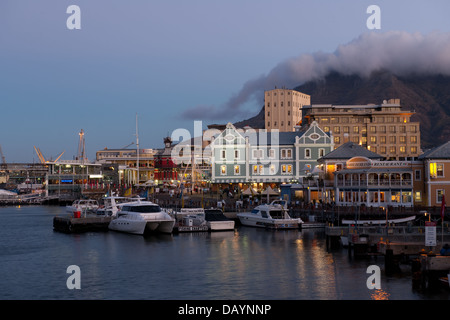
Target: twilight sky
<point x="173" y="62"/>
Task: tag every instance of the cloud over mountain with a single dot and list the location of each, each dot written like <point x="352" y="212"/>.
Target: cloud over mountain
<point x="400" y="53"/>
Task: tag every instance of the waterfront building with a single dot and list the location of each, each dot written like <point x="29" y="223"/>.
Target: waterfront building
<point x="375" y="183"/>
<point x="283" y="109"/>
<point x="67" y="179"/>
<point x="335" y="161"/>
<point x="28" y="175"/>
<point x="435" y="175"/>
<point x="259" y="157"/>
<point x="355" y="176"/>
<point x="128" y="160"/>
<point x="166" y="169"/>
<point x="385" y="129"/>
<point x="192" y="157"/>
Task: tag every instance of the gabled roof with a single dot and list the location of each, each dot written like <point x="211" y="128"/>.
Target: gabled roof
<point x="441" y="152"/>
<point x="267" y="138"/>
<point x="349" y="150"/>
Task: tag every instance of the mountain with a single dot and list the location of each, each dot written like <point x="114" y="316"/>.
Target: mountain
<point x="256" y="122"/>
<point x="427" y="95"/>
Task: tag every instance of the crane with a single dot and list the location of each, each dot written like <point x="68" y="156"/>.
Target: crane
<point x="81" y="147"/>
<point x="3" y="165"/>
<point x="42" y="158"/>
<point x="127" y="145"/>
<point x="39" y="154"/>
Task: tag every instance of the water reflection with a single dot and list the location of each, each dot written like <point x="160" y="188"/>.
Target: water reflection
<point x="379" y="294"/>
<point x="249" y="263"/>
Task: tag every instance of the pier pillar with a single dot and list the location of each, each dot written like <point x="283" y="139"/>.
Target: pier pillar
<point x="390" y="262"/>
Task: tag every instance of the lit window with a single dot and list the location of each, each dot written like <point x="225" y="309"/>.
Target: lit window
<point x="433" y="170"/>
<point x="272" y="169"/>
<point x="418" y="196"/>
<point x="436" y="170"/>
<point x="223" y="170"/>
<point x="237" y="169"/>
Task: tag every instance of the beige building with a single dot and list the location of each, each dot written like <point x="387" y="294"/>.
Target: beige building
<point x="127" y="158"/>
<point x="385" y="129"/>
<point x="283" y="109"/>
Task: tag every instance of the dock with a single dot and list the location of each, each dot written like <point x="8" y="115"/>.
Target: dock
<point x="186" y="228"/>
<point x="429" y="270"/>
<point x="70" y="224"/>
<point x="374" y="235"/>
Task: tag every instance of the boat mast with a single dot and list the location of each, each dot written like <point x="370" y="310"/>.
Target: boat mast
<point x="137" y="149"/>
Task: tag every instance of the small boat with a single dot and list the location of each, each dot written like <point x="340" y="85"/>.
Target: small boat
<point x="83" y="205"/>
<point x="190" y="220"/>
<point x="217" y="221"/>
<point x="274" y="216"/>
<point x="141" y="217"/>
<point x="379" y="222"/>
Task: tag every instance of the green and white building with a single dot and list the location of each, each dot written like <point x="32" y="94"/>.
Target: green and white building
<point x="249" y="156"/>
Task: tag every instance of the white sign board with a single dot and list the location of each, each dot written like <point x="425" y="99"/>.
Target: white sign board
<point x="430" y="234"/>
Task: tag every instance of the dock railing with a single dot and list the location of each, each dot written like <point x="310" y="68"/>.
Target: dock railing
<point x="392" y="233"/>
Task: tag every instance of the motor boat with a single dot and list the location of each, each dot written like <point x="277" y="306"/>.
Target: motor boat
<point x="190" y="220"/>
<point x="217" y="221"/>
<point x="274" y="216"/>
<point x="380" y="222"/>
<point x="111" y="204"/>
<point x="83" y="205"/>
<point x="141" y="217"/>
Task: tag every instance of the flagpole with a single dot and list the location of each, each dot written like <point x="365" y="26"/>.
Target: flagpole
<point x="442" y="217"/>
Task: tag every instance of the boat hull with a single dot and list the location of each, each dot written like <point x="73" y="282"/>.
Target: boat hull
<point x="163" y="226"/>
<point x="221" y="225"/>
<point x="141" y="227"/>
<point x="269" y="223"/>
<point x="128" y="226"/>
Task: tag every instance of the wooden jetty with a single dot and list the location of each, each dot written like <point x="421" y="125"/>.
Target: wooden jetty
<point x="70" y="224"/>
<point x="429" y="270"/>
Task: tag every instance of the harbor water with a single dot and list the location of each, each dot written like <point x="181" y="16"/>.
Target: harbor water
<point x="248" y="263"/>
